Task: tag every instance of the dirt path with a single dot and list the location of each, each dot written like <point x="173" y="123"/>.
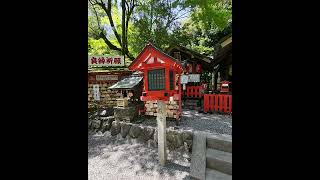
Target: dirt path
<point x="109" y="158"/>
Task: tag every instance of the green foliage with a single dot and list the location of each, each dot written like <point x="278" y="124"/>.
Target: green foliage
<point x="97" y="47"/>
<point x="201" y="38"/>
<point x="206" y="77"/>
<point x="156" y="21"/>
<point x="211" y="13"/>
<point x="198" y="25"/>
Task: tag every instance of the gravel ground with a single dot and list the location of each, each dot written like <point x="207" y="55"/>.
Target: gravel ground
<point x="192" y="120"/>
<point x="116" y="158"/>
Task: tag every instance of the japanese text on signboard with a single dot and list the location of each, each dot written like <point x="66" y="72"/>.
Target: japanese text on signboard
<point x="106" y="61"/>
<point x="106" y="77"/>
<point x="96" y="92"/>
<point x="190" y="78"/>
<point x="194" y="78"/>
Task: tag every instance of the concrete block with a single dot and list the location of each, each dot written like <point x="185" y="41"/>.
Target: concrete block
<point x="198" y="157"/>
<point x="219" y="160"/>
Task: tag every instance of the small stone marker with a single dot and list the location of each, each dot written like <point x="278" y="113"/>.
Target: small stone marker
<point x="161" y="122"/>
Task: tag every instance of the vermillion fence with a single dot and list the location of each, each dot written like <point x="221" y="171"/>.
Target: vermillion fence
<point x="218" y="102"/>
<point x="193" y="92"/>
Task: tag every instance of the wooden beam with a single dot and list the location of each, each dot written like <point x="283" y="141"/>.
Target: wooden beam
<point x="226" y="42"/>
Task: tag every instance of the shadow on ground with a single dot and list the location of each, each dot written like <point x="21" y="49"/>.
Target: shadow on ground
<point x="193" y="120"/>
<point x="137" y="157"/>
<point x="97" y="143"/>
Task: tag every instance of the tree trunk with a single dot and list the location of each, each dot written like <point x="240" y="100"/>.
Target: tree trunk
<point x="123" y="29"/>
<point x="121" y="39"/>
<point x="216" y="74"/>
<point x="215" y="81"/>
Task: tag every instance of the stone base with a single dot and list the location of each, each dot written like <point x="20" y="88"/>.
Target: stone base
<point x="126" y="114"/>
<point x="176" y="140"/>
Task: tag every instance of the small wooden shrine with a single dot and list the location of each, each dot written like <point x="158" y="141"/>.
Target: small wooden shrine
<point x="161" y="74"/>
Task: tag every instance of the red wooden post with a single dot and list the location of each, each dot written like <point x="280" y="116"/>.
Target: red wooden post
<point x="206" y="103"/>
<point x="225" y="101"/>
<point x="230" y="103"/>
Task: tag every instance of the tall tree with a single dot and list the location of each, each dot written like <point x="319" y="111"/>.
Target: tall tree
<point x="127" y="26"/>
<point x="124" y="35"/>
<point x="101" y="9"/>
<point x="157" y="20"/>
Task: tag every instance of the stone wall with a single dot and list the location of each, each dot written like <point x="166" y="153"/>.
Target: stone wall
<point x="105" y="79"/>
<point x="176" y="139"/>
<point x="107" y="97"/>
<point x="125" y="113"/>
<point x="171" y="106"/>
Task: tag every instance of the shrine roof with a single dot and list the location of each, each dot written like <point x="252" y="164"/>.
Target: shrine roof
<point x="150" y="46"/>
<point x="127" y="83"/>
<point x="191" y="52"/>
<point x="222" y="49"/>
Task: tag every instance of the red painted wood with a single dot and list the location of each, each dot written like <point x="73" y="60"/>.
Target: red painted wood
<point x="194" y="91"/>
<point x="230" y="103"/>
<point x="224" y="103"/>
<point x="225" y="89"/>
<point x="206" y="103"/>
<point x="180" y="99"/>
<point x="146" y="86"/>
<point x="218" y="102"/>
<point x="167" y="80"/>
<point x="140" y="64"/>
<point x="150" y="51"/>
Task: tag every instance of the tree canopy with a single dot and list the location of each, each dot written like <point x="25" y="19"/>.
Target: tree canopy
<point x="126" y="26"/>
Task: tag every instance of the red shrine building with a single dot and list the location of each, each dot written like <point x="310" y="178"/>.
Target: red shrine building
<point x="161" y="74"/>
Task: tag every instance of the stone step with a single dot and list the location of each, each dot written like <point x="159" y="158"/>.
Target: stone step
<point x="192" y="108"/>
<point x="190" y="103"/>
<point x="191" y="100"/>
<point x="220" y="142"/>
<point x="219" y="160"/>
<point x="212" y="174"/>
<point x="198" y="157"/>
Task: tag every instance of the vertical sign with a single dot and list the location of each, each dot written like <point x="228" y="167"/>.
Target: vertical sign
<point x="96" y="92"/>
<point x="184" y="81"/>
